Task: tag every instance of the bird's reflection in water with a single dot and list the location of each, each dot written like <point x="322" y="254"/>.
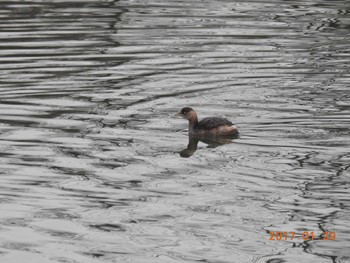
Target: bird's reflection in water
<point x="211" y="141"/>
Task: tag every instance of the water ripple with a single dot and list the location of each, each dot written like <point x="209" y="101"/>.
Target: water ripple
<point x="91" y="167"/>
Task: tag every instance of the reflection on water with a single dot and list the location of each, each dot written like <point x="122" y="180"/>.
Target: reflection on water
<point x="90" y="168"/>
<point x="211" y="141"/>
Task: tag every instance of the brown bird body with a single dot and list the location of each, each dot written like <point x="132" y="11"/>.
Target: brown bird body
<point x="211" y="126"/>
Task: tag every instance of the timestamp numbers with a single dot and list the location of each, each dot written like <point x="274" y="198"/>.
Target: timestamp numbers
<point x="304" y="236"/>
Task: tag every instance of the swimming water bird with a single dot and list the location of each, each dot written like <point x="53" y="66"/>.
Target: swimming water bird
<point x="211" y="126"/>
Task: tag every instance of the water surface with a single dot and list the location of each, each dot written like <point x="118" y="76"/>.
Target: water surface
<point x="91" y="168"/>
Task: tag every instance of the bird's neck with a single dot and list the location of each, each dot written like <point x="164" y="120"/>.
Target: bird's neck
<point x="193" y="122"/>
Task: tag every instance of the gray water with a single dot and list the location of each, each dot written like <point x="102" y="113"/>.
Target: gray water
<point x="91" y="166"/>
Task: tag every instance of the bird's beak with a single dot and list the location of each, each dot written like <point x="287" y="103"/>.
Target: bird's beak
<point x="179" y="114"/>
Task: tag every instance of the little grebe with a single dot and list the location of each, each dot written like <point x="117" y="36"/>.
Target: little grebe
<point x="212" y="126"/>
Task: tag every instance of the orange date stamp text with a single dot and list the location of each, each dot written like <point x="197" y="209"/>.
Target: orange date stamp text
<point x="304" y="236"/>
